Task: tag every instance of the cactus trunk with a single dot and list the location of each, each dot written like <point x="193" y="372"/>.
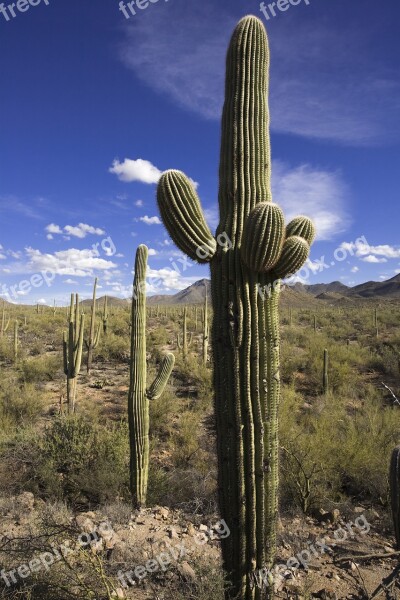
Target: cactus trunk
<point x="251" y="253"/>
<point x="72" y="351"/>
<point x="139" y="396"/>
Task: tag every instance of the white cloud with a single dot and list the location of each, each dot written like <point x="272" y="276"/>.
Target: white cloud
<point x="2" y="256"/>
<point x="318" y="194"/>
<point x="53" y="228"/>
<point x="361" y="248"/>
<point x="80" y="231"/>
<point x="373" y="259"/>
<point x="139" y="203"/>
<point x="167" y="280"/>
<point x="70" y="281"/>
<point x="135" y="170"/>
<point x="355" y="269"/>
<point x="78" y="263"/>
<point x="152" y="252"/>
<point x="150" y="220"/>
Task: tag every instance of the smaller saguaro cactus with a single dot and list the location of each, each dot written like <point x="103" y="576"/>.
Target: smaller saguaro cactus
<point x="205" y="330"/>
<point x="105" y="316"/>
<point x="54" y="308"/>
<point x="375" y="318"/>
<point x="139" y="395"/>
<point x="315" y="323"/>
<point x="394" y="481"/>
<point x="325" y="379"/>
<point x="290" y="316"/>
<point x="185" y="343"/>
<point x="72" y="351"/>
<point x="4" y="324"/>
<point x="94" y="337"/>
<point x="16" y="341"/>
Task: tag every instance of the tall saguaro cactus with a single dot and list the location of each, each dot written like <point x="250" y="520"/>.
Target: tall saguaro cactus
<point x="205" y="329"/>
<point x="251" y="252"/>
<point x="139" y="396"/>
<point x="72" y="350"/>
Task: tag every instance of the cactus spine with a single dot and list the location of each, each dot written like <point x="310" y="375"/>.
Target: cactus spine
<point x="325" y="378"/>
<point x="139" y="396"/>
<point x="254" y="251"/>
<point x="394" y="481"/>
<point x="72" y="351"/>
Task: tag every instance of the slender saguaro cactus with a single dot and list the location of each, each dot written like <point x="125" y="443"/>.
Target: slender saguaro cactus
<point x="105" y="316"/>
<point x="251" y="252"/>
<point x="394" y="480"/>
<point x="72" y="351"/>
<point x="184" y="344"/>
<point x="94" y="338"/>
<point x="315" y="323"/>
<point x="205" y="330"/>
<point x="4" y="325"/>
<point x="139" y="396"/>
<point x="16" y="341"/>
<point x="325" y="378"/>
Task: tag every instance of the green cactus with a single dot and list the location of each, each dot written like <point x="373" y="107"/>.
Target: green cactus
<point x="105" y="316"/>
<point x="186" y="341"/>
<point x="325" y="378"/>
<point x="139" y="396"/>
<point x="394" y="481"/>
<point x="251" y="251"/>
<point x="4" y="325"/>
<point x="17" y="342"/>
<point x="72" y="351"/>
<point x="94" y="336"/>
<point x="205" y="330"/>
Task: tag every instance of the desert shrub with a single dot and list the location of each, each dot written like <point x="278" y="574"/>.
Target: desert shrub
<point x="38" y="370"/>
<point x="73" y="460"/>
<point x="113" y="347"/>
<point x="20" y="403"/>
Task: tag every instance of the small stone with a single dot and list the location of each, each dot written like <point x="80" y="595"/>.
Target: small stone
<point x="358" y="510"/>
<point x="172" y="533"/>
<point x="85" y="525"/>
<point x="191" y="530"/>
<point x="187" y="572"/>
<point x="203" y="528"/>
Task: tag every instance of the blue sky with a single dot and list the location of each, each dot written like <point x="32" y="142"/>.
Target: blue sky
<point x="95" y="106"/>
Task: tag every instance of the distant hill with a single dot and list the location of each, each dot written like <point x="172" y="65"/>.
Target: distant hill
<point x="372" y="289"/>
<point x="297" y="295"/>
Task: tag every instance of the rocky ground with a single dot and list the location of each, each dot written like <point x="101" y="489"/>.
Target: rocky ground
<point x="328" y="556"/>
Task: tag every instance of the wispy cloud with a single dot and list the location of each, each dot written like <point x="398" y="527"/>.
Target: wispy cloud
<point x="318" y="194"/>
<point x="326" y="81"/>
<point x="80" y="231"/>
<point x="361" y="249"/>
<point x="77" y="263"/>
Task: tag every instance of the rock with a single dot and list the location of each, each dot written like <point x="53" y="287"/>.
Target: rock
<point x="85" y="525"/>
<point x="191" y="530"/>
<point x="203" y="528"/>
<point x="358" y="510"/>
<point x="161" y="514"/>
<point x="187" y="572"/>
<point x="172" y="533"/>
<point x="119" y="593"/>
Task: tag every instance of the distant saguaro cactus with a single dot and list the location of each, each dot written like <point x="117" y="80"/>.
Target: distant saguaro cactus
<point x="16" y="341"/>
<point x="105" y="316"/>
<point x="186" y="341"/>
<point x="325" y="378"/>
<point x="394" y="480"/>
<point x="205" y="329"/>
<point x="251" y="252"/>
<point x="4" y="322"/>
<point x="94" y="337"/>
<point x="72" y="350"/>
<point x="139" y="395"/>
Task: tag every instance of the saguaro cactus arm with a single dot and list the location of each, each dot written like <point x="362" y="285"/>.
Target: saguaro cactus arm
<point x="161" y="380"/>
<point x="181" y="212"/>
